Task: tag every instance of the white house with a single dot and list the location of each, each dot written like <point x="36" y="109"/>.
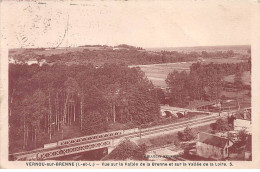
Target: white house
<point x="212" y="146"/>
<point x="32" y="61"/>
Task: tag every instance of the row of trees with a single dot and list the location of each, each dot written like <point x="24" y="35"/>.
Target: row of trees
<point x="218" y="54"/>
<point x="203" y="82"/>
<point x="128" y="55"/>
<point x="44" y="100"/>
<point x="125" y="56"/>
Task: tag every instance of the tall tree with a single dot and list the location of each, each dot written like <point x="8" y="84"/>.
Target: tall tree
<point x="178" y="83"/>
<point x="238" y="80"/>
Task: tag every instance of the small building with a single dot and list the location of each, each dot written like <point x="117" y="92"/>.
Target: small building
<point x="212" y="146"/>
<point x="32" y="61"/>
<point x="243" y="121"/>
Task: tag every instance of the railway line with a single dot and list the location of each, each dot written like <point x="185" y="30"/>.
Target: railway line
<point x="180" y="126"/>
<point x="138" y="133"/>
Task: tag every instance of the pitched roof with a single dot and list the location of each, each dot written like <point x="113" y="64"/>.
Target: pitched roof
<point x="213" y="140"/>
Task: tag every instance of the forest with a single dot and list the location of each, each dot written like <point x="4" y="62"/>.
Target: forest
<point x="43" y="100"/>
<point x="128" y="55"/>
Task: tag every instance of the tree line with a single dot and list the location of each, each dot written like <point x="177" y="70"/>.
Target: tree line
<point x="129" y="55"/>
<point x="203" y="82"/>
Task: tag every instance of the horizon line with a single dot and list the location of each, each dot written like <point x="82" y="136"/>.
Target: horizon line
<point x="224" y="45"/>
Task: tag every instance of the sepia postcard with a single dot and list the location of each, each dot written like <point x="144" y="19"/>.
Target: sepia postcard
<point x="130" y="84"/>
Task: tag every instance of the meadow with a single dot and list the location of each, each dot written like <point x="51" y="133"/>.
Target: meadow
<point x="157" y="73"/>
<point x="246" y="78"/>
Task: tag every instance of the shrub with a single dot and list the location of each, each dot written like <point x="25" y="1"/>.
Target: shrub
<point x="186" y="135"/>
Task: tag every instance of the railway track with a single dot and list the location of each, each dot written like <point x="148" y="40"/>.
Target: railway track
<point x="141" y="133"/>
<point x="181" y="125"/>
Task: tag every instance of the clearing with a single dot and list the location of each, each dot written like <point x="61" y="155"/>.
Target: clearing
<point x="157" y="73"/>
<point x="246" y="78"/>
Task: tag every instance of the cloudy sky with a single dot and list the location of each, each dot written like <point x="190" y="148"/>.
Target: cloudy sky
<point x="138" y="23"/>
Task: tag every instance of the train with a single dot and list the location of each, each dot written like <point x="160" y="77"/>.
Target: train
<point x="35" y="154"/>
<point x="91" y="138"/>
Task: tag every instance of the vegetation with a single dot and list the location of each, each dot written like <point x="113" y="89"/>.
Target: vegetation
<point x="126" y="54"/>
<point x="204" y="82"/>
<point x="78" y="89"/>
<point x="242" y="137"/>
<point x="244" y="142"/>
<point x="45" y="100"/>
<point x="186" y="135"/>
<point x="238" y="80"/>
<point x="220" y="126"/>
<point x="127" y="150"/>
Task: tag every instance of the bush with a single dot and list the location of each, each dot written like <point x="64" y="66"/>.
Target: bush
<point x="242" y="136"/>
<point x="220" y="126"/>
<point x="186" y="135"/>
<point x="127" y="150"/>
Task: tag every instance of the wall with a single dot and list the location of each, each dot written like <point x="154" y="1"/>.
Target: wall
<point x="209" y="151"/>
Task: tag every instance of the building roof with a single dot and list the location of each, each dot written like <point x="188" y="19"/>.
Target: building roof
<point x="213" y="140"/>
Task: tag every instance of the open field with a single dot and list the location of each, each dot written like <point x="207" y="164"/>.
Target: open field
<point x="236" y="48"/>
<point x="223" y="60"/>
<point x="157" y="73"/>
<point x="246" y="78"/>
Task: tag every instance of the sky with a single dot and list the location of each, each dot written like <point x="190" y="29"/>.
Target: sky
<point x="178" y="23"/>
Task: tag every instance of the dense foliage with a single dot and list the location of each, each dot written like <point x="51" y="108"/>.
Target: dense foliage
<point x="128" y="150"/>
<point x="186" y="135"/>
<point x="125" y="54"/>
<point x="220" y="126"/>
<point x="44" y="100"/>
<point x="203" y="82"/>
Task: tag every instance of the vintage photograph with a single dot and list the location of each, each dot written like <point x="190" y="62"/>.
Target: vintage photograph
<point x="129" y="80"/>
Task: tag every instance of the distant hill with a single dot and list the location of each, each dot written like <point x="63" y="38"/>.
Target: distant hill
<point x="235" y="48"/>
<point x="126" y="54"/>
